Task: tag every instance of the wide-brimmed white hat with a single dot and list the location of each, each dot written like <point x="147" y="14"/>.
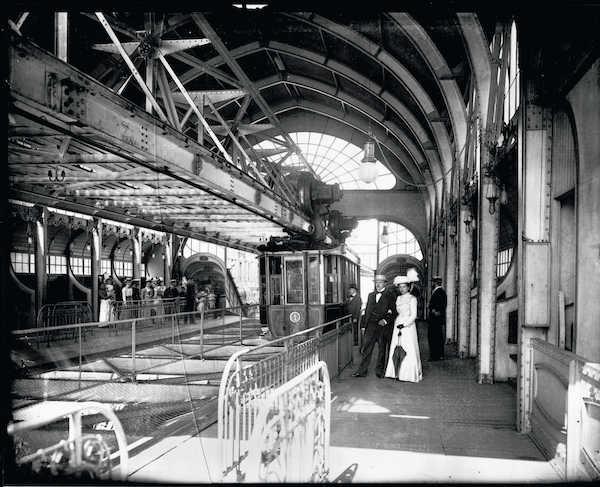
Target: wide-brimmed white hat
<point x="401" y="280"/>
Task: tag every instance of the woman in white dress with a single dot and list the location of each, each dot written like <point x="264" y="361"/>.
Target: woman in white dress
<point x="405" y="335"/>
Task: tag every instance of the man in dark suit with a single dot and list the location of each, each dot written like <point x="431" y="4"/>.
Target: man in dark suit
<point x="379" y="321"/>
<point x="352" y="306"/>
<point x="437" y="319"/>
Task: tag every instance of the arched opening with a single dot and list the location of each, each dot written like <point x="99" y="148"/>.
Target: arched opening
<point x="208" y="273"/>
<point x="333" y="159"/>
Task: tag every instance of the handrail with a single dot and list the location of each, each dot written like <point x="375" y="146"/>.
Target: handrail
<point x="74" y="414"/>
<point x="242" y="385"/>
<point x="93" y="324"/>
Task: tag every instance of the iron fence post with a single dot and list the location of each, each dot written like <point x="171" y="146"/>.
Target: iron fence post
<point x="337" y="347"/>
<point x="241" y="338"/>
<point x="202" y="334"/>
<point x="133" y="351"/>
<point x="80" y="358"/>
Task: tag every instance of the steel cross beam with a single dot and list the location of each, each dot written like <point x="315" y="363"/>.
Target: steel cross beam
<point x="48" y="91"/>
<point x="220" y="47"/>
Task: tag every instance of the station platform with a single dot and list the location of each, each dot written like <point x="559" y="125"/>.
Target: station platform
<point x="446" y="428"/>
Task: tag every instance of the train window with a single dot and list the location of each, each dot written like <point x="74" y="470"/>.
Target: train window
<point x="263" y="280"/>
<point x="294" y="282"/>
<point x="275" y="280"/>
<point x="314" y="288"/>
<point x="331" y="279"/>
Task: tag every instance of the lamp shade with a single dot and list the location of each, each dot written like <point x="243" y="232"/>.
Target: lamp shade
<point x="368" y="167"/>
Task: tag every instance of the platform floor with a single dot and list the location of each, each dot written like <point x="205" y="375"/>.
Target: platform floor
<point x="446" y="428"/>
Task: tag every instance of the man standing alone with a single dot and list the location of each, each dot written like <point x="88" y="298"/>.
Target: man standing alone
<point x="437" y="319"/>
<point x="352" y="306"/>
<point x="379" y="320"/>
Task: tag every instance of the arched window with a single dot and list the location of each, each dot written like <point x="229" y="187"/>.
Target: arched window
<point x="511" y="83"/>
<point x="334" y="160"/>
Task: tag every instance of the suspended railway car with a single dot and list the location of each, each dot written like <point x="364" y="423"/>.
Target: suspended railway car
<point x="304" y="288"/>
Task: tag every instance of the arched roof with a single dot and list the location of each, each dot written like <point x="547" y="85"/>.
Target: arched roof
<point x="403" y="77"/>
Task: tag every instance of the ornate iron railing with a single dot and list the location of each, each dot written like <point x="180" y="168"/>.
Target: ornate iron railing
<point x="290" y="440"/>
<point x="78" y="456"/>
<point x="563" y="409"/>
<point x="64" y="313"/>
<point x="83" y="342"/>
<point x="247" y="383"/>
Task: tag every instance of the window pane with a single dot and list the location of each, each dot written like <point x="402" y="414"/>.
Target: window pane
<point x="294" y="281"/>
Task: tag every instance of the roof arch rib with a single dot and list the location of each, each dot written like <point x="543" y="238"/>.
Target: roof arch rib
<point x="324" y="89"/>
<point x="442" y="73"/>
<point x="352" y="121"/>
<point x="379" y="54"/>
<point x="480" y="58"/>
<point x="431" y="154"/>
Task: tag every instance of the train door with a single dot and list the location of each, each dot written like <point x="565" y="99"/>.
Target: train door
<point x="275" y="308"/>
<point x="314" y="289"/>
<point x="295" y="314"/>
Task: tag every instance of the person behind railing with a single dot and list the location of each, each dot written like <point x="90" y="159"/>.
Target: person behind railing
<point x="211" y="298"/>
<point x="201" y="298"/>
<point x="127" y="293"/>
<point x="171" y="294"/>
<point x="135" y="298"/>
<point x="159" y="291"/>
<point x="190" y="300"/>
<point x="107" y="298"/>
<point x="352" y="306"/>
<point x="147" y="296"/>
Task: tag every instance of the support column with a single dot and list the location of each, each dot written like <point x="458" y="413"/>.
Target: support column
<point x="450" y="285"/>
<point x="534" y="251"/>
<point x="96" y="251"/>
<point x="486" y="299"/>
<point x="136" y="239"/>
<point x="168" y="256"/>
<point x="465" y="263"/>
<point x="61" y="35"/>
<point x="41" y="257"/>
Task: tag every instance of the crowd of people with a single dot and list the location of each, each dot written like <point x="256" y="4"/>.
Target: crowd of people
<point x="154" y="299"/>
<point x="389" y="321"/>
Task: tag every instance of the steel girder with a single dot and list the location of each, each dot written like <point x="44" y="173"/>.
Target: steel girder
<point x="378" y="54"/>
<point x="349" y="120"/>
<point x="480" y="59"/>
<point x="59" y="96"/>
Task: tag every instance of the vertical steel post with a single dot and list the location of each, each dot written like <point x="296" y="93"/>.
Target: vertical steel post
<point x="241" y="337"/>
<point x="202" y="334"/>
<point x="75" y="436"/>
<point x="133" y="374"/>
<point x="337" y="346"/>
<point x="80" y="358"/>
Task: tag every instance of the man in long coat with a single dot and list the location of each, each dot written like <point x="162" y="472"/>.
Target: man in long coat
<point x="437" y="320"/>
<point x="352" y="306"/>
<point x="379" y="321"/>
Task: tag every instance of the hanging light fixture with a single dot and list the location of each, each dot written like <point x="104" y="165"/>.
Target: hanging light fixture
<point x="491" y="194"/>
<point x="468" y="221"/>
<point x="368" y="167"/>
<point x="385" y="238"/>
<point x="56" y="175"/>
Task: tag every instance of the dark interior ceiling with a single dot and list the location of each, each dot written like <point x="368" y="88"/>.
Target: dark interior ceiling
<point x="299" y="57"/>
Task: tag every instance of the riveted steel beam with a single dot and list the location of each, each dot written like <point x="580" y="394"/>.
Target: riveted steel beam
<point x="57" y="95"/>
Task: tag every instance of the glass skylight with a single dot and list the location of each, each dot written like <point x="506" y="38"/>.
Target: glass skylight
<point x="334" y="160"/>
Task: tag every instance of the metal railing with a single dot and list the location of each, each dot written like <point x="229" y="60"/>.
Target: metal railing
<point x="145" y="308"/>
<point x="562" y="409"/>
<point x="247" y="382"/>
<point x="85" y="342"/>
<point x="79" y="453"/>
<point x="64" y="313"/>
<point x="290" y="440"/>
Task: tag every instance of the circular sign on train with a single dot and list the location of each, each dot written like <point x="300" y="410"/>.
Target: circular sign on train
<point x="294" y="317"/>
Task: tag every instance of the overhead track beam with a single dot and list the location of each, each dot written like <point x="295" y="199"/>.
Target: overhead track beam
<point x="220" y="47"/>
<point x="39" y="84"/>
